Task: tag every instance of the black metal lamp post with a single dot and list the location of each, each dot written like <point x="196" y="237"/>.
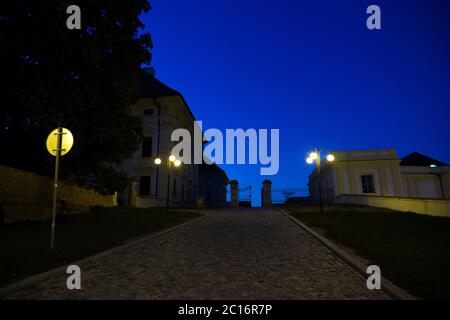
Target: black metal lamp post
<point x="315" y="156"/>
<point x="176" y="162"/>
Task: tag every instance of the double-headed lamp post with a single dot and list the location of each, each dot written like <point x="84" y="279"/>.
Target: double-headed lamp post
<point x="315" y="156"/>
<point x="176" y="162"/>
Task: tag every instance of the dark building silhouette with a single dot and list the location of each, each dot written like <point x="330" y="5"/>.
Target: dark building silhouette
<point x="213" y="183"/>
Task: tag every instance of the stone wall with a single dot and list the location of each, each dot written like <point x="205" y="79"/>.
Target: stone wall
<point x="28" y="196"/>
<point x="433" y="207"/>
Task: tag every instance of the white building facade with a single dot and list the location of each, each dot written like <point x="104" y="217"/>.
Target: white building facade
<point x="380" y="178"/>
<point x="162" y="110"/>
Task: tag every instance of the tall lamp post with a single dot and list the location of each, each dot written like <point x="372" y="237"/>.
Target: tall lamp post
<point x="176" y="162"/>
<point x="315" y="156"/>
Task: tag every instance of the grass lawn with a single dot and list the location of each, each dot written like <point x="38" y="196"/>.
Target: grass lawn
<point x="24" y="247"/>
<point x="412" y="250"/>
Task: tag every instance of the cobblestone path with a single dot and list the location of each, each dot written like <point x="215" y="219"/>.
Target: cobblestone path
<point x="233" y="254"/>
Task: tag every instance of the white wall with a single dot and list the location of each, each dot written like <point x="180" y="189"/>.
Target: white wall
<point x="434" y="207"/>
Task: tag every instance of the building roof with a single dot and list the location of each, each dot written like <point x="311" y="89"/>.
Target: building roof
<point x="207" y="169"/>
<point x="150" y="87"/>
<point x="419" y="160"/>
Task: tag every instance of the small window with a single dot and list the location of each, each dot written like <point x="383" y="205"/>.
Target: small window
<point x="148" y="112"/>
<point x="147" y="147"/>
<point x="144" y="186"/>
<point x="367" y="184"/>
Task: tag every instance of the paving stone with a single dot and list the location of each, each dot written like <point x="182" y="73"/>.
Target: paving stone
<point x="233" y="254"/>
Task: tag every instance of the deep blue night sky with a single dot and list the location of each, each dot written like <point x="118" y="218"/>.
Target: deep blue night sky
<point x="313" y="70"/>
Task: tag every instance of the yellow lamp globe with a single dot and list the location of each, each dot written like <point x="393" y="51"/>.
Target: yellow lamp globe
<point x="313" y="155"/>
<point x="66" y="141"/>
<point x="330" y="158"/>
<point x="177" y="163"/>
<point x="172" y="158"/>
<point x="157" y="161"/>
<point x="309" y="160"/>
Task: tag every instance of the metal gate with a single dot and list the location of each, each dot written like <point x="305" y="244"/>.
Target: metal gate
<point x="245" y="196"/>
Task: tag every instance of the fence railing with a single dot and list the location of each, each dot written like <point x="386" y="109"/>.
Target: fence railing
<point x="282" y="195"/>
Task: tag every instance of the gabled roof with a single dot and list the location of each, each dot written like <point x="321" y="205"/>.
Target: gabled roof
<point x="420" y="160"/>
<point x="150" y="87"/>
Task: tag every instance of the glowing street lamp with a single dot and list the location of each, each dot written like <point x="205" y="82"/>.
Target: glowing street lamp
<point x="315" y="156"/>
<point x="176" y="162"/>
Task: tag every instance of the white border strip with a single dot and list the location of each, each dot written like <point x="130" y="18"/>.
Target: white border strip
<point x="33" y="280"/>
<point x="388" y="287"/>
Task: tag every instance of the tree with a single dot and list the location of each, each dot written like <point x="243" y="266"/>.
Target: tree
<point x="84" y="80"/>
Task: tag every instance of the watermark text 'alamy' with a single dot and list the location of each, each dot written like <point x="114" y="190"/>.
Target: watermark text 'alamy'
<point x="235" y="147"/>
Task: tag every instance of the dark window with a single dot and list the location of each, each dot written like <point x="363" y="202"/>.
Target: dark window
<point x="367" y="184"/>
<point x="144" y="186"/>
<point x="148" y="112"/>
<point x="147" y="147"/>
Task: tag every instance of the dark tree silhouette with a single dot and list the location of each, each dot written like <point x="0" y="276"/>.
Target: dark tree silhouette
<point x="84" y="80"/>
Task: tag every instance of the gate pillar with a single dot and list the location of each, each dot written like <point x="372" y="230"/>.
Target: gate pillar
<point x="234" y="193"/>
<point x="267" y="194"/>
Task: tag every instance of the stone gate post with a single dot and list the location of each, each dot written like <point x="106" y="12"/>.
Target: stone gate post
<point x="234" y="193"/>
<point x="267" y="194"/>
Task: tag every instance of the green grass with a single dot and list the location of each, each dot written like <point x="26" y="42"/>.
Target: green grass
<point x="412" y="250"/>
<point x="24" y="247"/>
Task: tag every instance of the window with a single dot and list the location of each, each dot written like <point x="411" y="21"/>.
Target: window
<point x="174" y="187"/>
<point x="182" y="192"/>
<point x="144" y="186"/>
<point x="367" y="184"/>
<point x="147" y="147"/>
<point x="148" y="112"/>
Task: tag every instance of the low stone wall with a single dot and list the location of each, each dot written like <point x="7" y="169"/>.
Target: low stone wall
<point x="433" y="207"/>
<point x="28" y="196"/>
